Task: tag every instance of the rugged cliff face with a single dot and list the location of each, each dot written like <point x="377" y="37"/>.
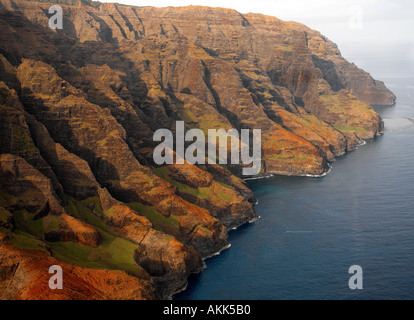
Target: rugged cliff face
<point x="78" y="110"/>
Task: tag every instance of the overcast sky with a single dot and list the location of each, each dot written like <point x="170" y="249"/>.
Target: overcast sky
<point x="367" y="23"/>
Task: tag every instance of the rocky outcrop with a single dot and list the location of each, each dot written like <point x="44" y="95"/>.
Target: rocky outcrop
<point x="73" y="172"/>
<point x="25" y="275"/>
<point x="74" y="230"/>
<point x="78" y="110"/>
<point x="28" y="191"/>
<point x="6" y="219"/>
<point x="222" y="200"/>
<point x="16" y="137"/>
<point x="167" y="260"/>
<point x="26" y="188"/>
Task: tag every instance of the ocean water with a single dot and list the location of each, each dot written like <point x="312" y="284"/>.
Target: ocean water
<point x="311" y="230"/>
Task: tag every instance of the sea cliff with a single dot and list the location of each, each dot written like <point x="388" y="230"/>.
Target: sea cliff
<point x="79" y="107"/>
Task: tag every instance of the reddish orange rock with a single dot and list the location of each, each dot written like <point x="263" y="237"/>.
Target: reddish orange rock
<point x="25" y="276"/>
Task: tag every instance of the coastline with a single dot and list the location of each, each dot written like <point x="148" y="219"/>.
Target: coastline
<point x="260" y="177"/>
<point x="111" y="163"/>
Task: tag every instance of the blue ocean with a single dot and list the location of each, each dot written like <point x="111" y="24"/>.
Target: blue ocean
<point x="311" y="230"/>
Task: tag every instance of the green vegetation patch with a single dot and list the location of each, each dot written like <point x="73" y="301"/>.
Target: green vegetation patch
<point x="5" y="198"/>
<point x="184" y="114"/>
<point x="225" y="185"/>
<point x="284" y="156"/>
<point x="159" y="221"/>
<point x="4" y="215"/>
<point x="350" y="105"/>
<point x="201" y="193"/>
<point x="347" y="128"/>
<point x="24" y="222"/>
<point x="163" y="173"/>
<point x="114" y="253"/>
<point x="24" y="240"/>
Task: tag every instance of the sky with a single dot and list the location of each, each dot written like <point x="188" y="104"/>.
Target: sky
<point x="366" y="24"/>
